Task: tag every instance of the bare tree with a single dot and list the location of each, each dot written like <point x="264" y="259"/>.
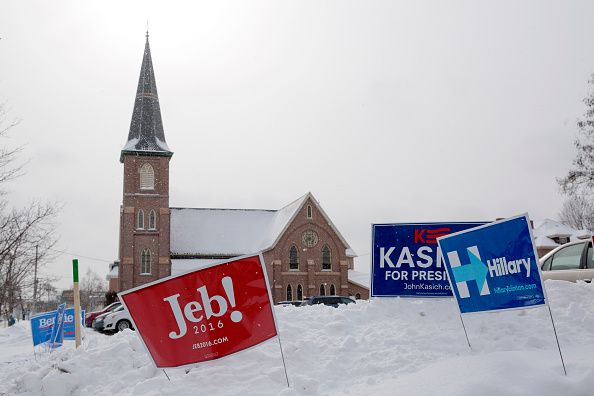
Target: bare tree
<point x="23" y="232"/>
<point x="577" y="212"/>
<point x="580" y="178"/>
<point x="9" y="169"/>
<point x="92" y="290"/>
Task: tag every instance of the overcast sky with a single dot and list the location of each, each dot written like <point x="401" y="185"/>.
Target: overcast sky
<point x="386" y="111"/>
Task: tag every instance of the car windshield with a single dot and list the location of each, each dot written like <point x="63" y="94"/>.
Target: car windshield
<point x="568" y="258"/>
<point x="111" y="306"/>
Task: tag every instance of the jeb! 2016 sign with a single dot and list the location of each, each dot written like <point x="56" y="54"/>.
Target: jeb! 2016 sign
<point x="203" y="315"/>
<point x="406" y="260"/>
<point x="494" y="267"/>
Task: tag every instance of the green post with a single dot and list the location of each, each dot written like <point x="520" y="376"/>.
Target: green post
<point x="75" y="291"/>
<point x="75" y="270"/>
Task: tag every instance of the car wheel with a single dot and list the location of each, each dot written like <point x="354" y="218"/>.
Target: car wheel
<point x="123" y="325"/>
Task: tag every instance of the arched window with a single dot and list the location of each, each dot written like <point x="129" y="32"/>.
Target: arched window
<point x="152" y="220"/>
<point x="322" y="290"/>
<point x="326" y="258"/>
<point x="289" y="293"/>
<point x="293" y="258"/>
<point x="145" y="262"/>
<point x="140" y="219"/>
<point x="309" y="213"/>
<point x="332" y="290"/>
<point x="299" y="293"/>
<point x="147" y="177"/>
<point x="358" y="296"/>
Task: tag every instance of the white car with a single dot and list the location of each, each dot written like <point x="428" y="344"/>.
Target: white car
<point x="571" y="262"/>
<point x="118" y="320"/>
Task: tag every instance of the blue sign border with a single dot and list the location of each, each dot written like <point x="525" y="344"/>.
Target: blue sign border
<point x="534" y="252"/>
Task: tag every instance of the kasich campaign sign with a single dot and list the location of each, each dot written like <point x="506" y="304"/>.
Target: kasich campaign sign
<point x="494" y="267"/>
<point x="406" y="260"/>
<point x="205" y="314"/>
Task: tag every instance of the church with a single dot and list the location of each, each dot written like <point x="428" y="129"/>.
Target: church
<point x="305" y="254"/>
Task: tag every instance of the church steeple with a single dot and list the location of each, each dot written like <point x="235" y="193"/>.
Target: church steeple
<point x="145" y="254"/>
<point x="146" y="136"/>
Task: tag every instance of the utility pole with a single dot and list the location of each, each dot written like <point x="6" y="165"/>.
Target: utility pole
<point x="35" y="283"/>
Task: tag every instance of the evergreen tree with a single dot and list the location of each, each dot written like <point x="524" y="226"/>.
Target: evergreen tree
<point x="110" y="297"/>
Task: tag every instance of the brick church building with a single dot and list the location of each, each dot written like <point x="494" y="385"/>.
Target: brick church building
<point x="304" y="252"/>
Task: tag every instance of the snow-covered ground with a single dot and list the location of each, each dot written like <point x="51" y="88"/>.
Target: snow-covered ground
<point x="382" y="347"/>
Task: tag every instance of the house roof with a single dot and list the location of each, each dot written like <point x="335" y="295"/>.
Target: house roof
<point x="553" y="229"/>
<point x="232" y="232"/>
<point x="542" y="241"/>
<point x="547" y="229"/>
<point x="113" y="271"/>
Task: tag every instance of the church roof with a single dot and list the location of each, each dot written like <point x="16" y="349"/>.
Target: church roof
<point x="202" y="232"/>
<point x="360" y="278"/>
<point x="146" y="134"/>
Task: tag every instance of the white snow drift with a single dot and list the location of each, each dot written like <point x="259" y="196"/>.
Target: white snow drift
<point x="382" y="347"/>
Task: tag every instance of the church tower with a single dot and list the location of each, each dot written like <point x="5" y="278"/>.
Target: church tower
<point x="144" y="214"/>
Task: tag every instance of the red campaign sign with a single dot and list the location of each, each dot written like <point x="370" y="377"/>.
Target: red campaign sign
<point x="203" y="315"/>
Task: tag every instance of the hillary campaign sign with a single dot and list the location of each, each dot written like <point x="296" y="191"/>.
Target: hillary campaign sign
<point x="494" y="267"/>
<point x="42" y="325"/>
<point x="205" y="314"/>
<point x="406" y="260"/>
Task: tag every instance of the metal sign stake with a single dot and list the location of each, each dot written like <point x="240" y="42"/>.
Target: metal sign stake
<point x="283" y="357"/>
<point x="465" y="333"/>
<point x="557" y="338"/>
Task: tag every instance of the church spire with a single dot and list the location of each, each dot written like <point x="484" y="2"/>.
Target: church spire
<point x="146" y="134"/>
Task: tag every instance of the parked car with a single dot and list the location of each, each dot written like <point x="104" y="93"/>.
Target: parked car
<point x="118" y="320"/>
<point x="92" y="315"/>
<point x="570" y="262"/>
<point x="98" y="321"/>
<point x="332" y="301"/>
<point x="295" y="303"/>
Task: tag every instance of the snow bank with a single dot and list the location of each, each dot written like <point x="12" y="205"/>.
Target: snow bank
<point x="382" y="347"/>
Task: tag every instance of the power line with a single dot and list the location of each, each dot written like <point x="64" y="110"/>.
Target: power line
<point x="82" y="256"/>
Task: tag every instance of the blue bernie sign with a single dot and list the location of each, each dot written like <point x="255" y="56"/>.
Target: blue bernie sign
<point x="406" y="260"/>
<point x="57" y="336"/>
<point x="42" y="325"/>
<point x="494" y="267"/>
<point x="69" y="323"/>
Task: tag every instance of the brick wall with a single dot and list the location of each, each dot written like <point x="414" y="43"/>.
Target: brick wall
<point x="309" y="274"/>
<point x="133" y="240"/>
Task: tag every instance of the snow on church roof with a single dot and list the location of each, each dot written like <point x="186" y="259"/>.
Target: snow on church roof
<point x="229" y="232"/>
<point x="179" y="266"/>
<point x="219" y="231"/>
<point x="360" y="278"/>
